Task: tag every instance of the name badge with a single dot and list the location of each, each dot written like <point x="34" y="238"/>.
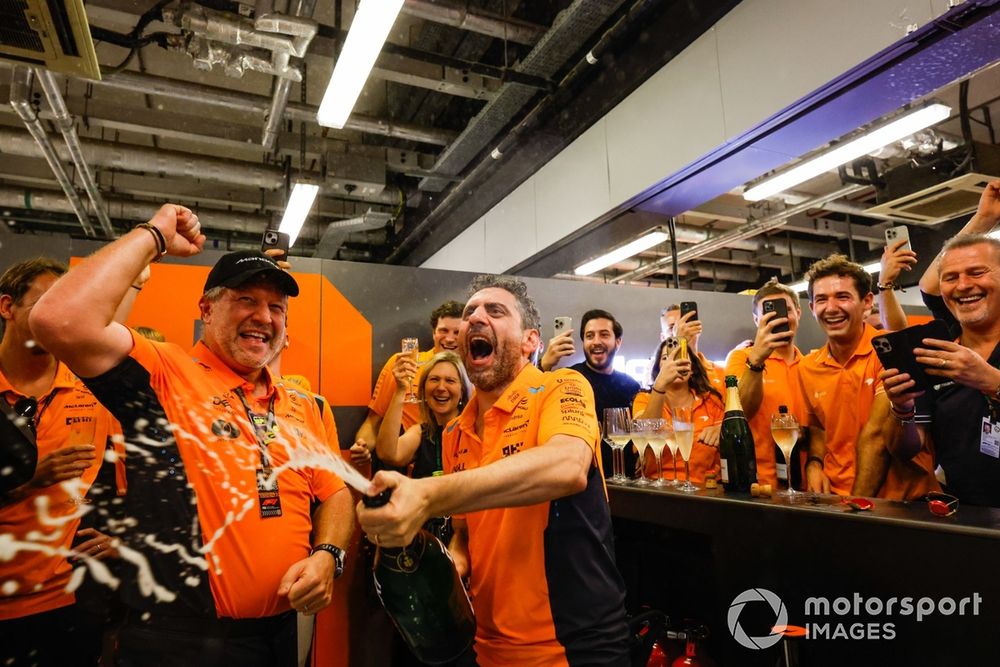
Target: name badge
<point x="268" y="497"/>
<point x="989" y="442"/>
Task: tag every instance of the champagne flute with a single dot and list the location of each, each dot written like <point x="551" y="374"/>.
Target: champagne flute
<point x="640" y="441"/>
<point x="617" y="425"/>
<point x="684" y="435"/>
<point x="672" y="446"/>
<point x="658" y="430"/>
<point x="785" y="431"/>
<point x="410" y="346"/>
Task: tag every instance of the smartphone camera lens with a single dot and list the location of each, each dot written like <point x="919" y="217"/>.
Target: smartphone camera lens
<point x="270" y="238"/>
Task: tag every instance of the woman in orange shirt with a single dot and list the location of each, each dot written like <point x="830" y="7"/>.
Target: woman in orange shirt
<point x="683" y="383"/>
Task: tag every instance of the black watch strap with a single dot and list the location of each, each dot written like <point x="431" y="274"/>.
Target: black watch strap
<point x="338" y="556"/>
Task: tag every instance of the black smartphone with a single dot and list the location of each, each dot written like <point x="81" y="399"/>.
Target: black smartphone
<point x="689" y="307"/>
<point x="895" y="350"/>
<point x="780" y="307"/>
<point x="275" y="239"/>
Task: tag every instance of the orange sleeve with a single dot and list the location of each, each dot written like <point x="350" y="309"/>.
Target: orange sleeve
<point x="736" y="362"/>
<point x="639" y="403"/>
<point x="568" y="409"/>
<point x="385" y="386"/>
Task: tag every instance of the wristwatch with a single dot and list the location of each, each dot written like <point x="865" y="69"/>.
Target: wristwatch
<point x="338" y="556"/>
<point x="756" y="368"/>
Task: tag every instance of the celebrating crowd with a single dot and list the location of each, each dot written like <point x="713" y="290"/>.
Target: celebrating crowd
<point x="199" y="485"/>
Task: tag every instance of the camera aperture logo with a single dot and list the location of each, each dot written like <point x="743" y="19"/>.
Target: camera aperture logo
<point x="842" y="617"/>
<point x="757" y="595"/>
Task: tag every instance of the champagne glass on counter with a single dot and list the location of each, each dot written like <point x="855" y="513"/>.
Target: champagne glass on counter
<point x="785" y="431"/>
<point x="410" y="346"/>
<point x="657" y="431"/>
<point x="641" y="442"/>
<point x="617" y="427"/>
<point x="684" y="436"/>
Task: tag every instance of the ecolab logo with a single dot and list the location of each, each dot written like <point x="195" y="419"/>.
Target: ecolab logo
<point x="823" y="616"/>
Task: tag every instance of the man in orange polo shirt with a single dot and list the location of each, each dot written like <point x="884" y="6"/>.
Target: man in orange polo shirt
<point x="839" y="383"/>
<point x="533" y="527"/>
<point x="39" y="620"/>
<point x="768" y="374"/>
<point x="445" y="320"/>
<point x="225" y="465"/>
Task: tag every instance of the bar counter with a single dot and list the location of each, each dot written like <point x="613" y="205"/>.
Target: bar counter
<point x="691" y="555"/>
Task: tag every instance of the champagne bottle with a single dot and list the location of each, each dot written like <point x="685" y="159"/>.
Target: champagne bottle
<point x="423" y="595"/>
<point x="736" y="449"/>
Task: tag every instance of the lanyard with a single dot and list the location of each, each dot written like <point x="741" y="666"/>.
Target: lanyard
<point x="435" y="438"/>
<point x="263" y="427"/>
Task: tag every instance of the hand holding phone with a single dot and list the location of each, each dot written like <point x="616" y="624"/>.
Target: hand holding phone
<point x="779" y="307"/>
<point x="895" y="350"/>
<point x="894" y="235"/>
<point x="689" y="307"/>
<point x="561" y="325"/>
<point x="274" y="239"/>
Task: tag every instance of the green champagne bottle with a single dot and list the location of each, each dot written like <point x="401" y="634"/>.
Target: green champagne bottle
<point x="736" y="449"/>
<point x="423" y="595"/>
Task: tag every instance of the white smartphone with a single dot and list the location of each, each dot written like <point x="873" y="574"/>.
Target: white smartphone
<point x="894" y="234"/>
<point x="561" y="325"/>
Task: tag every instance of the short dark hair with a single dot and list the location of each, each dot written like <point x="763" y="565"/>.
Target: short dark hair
<point x="772" y="288"/>
<point x="839" y="265"/>
<point x="446" y="309"/>
<point x="525" y="306"/>
<point x="16" y="280"/>
<point x="598" y="314"/>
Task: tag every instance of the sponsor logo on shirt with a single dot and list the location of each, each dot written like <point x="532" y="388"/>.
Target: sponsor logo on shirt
<point x="512" y="448"/>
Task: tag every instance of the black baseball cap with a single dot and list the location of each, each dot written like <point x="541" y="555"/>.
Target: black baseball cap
<point x="236" y="268"/>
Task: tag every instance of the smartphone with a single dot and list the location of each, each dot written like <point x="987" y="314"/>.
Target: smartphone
<point x="780" y="307"/>
<point x="561" y="325"/>
<point x="689" y="307"/>
<point x="275" y="239"/>
<point x="895" y="234"/>
<point x="895" y="350"/>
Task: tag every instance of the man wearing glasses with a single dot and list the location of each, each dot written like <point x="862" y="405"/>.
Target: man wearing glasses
<point x="38" y="615"/>
<point x="237" y="522"/>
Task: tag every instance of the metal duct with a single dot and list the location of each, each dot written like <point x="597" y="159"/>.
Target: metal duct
<point x="752" y="228"/>
<point x="178" y="164"/>
<point x="573" y="27"/>
<point x="337" y="232"/>
<point x="474" y="19"/>
<point x="248" y="102"/>
<point x="20" y="88"/>
<point x="68" y="128"/>
<point x="283" y="86"/>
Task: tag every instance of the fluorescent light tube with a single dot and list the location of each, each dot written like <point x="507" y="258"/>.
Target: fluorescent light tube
<point x="874" y="267"/>
<point x="297" y="210"/>
<point x="902" y="127"/>
<point x="371" y="25"/>
<point x="624" y="252"/>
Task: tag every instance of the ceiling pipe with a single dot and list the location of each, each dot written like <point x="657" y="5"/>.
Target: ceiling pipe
<point x="178" y="164"/>
<point x="248" y="102"/>
<point x="68" y="128"/>
<point x="20" y="88"/>
<point x="283" y="86"/>
<point x="462" y="15"/>
<point x="750" y="229"/>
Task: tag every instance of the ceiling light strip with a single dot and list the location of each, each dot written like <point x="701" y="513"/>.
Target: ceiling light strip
<point x="618" y="254"/>
<point x="299" y="203"/>
<point x="369" y="30"/>
<point x="840" y="154"/>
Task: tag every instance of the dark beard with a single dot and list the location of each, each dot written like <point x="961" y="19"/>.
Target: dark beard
<point x="609" y="360"/>
<point x="502" y="372"/>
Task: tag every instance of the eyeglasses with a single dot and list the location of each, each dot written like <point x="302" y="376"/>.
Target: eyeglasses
<point x="941" y="504"/>
<point x="27" y="408"/>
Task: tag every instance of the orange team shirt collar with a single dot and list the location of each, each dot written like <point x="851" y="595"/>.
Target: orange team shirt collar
<point x="863" y="349"/>
<point x="64" y="379"/>
<point x="204" y="356"/>
<point x="529" y="377"/>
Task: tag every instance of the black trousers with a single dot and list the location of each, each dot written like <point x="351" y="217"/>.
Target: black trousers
<point x="63" y="637"/>
<point x="148" y="640"/>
